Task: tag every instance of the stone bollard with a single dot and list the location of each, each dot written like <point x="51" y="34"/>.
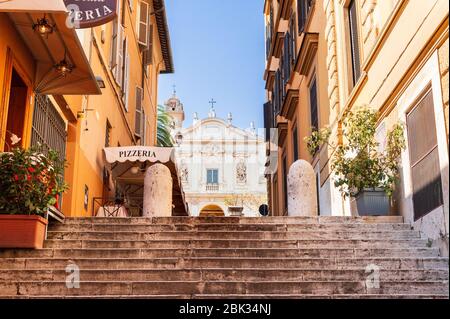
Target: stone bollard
<point x="158" y="192"/>
<point x="301" y="188"/>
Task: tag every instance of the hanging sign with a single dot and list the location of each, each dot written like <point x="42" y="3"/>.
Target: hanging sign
<point x="90" y="13"/>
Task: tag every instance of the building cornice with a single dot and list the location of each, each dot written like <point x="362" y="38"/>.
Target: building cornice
<point x="164" y="36"/>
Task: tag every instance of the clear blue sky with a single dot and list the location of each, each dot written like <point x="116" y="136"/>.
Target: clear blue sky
<point x="218" y="52"/>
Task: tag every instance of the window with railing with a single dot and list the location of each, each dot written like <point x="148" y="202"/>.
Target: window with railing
<point x="212" y="180"/>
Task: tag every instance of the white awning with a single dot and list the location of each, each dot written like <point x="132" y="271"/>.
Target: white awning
<point x="48" y="51"/>
<point x="129" y="164"/>
<point x="139" y="154"/>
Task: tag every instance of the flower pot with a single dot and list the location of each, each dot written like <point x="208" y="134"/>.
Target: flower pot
<point x="235" y="210"/>
<point x="372" y="202"/>
<point x="22" y="231"/>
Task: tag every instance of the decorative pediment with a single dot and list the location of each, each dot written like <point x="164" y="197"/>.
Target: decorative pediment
<point x="290" y="103"/>
<point x="282" y="126"/>
<point x="307" y="53"/>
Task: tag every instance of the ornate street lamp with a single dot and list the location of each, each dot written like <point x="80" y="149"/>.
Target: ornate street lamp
<point x="64" y="67"/>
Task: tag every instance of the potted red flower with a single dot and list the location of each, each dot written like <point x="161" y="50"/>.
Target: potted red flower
<point x="30" y="181"/>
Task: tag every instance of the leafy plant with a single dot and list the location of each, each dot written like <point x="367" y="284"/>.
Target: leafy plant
<point x="358" y="163"/>
<point x="30" y="180"/>
<point x="164" y="138"/>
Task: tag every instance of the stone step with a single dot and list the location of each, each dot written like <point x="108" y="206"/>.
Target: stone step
<point x="222" y="274"/>
<point x="228" y="262"/>
<point x="237" y="243"/>
<point x="58" y="288"/>
<point x="111" y="227"/>
<point x="249" y="235"/>
<point x="220" y="252"/>
<point x="236" y="297"/>
<point x="238" y="220"/>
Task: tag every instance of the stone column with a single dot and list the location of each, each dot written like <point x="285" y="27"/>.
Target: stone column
<point x="158" y="192"/>
<point x="301" y="188"/>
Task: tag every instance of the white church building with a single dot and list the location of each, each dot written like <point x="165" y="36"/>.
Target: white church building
<point x="221" y="166"/>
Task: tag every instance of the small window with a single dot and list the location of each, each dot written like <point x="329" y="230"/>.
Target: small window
<point x="212" y="176"/>
<point x="354" y="42"/>
<point x="295" y="143"/>
<point x="313" y="105"/>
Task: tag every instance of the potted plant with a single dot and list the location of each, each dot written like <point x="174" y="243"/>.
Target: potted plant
<point x="362" y="170"/>
<point x="237" y="202"/>
<point x="30" y="182"/>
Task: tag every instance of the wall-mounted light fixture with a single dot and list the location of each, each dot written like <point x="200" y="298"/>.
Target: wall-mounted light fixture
<point x="43" y="27"/>
<point x="100" y="82"/>
<point x="64" y="67"/>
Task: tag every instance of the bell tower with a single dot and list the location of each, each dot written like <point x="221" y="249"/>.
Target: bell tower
<point x="174" y="108"/>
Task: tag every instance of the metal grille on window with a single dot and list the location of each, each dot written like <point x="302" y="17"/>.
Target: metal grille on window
<point x="48" y="128"/>
<point x="424" y="157"/>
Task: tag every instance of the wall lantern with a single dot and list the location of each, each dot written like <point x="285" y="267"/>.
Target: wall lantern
<point x="100" y="82"/>
<point x="64" y="67"/>
<point x="43" y="27"/>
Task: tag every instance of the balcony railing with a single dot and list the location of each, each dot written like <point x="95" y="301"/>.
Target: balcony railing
<point x="212" y="187"/>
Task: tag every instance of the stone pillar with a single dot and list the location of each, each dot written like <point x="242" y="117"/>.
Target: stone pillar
<point x="158" y="192"/>
<point x="302" y="191"/>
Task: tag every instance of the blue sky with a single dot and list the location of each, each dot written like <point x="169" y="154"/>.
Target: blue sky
<point x="218" y="52"/>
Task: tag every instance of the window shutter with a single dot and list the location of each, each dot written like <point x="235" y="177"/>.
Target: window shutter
<point x="143" y="23"/>
<point x="138" y="116"/>
<point x="144" y="128"/>
<point x="268" y="119"/>
<point x="126" y="80"/>
<point x="424" y="157"/>
<point x="148" y="52"/>
<point x="313" y="105"/>
<point x="118" y="72"/>
<point x="354" y="40"/>
<point x="113" y="58"/>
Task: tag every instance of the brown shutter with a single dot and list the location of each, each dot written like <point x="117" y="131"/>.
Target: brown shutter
<point x="138" y="117"/>
<point x="313" y="105"/>
<point x="424" y="157"/>
<point x="268" y="119"/>
<point x="148" y="52"/>
<point x="354" y="41"/>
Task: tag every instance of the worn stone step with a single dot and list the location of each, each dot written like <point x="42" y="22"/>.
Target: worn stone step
<point x="227" y="262"/>
<point x="222" y="274"/>
<point x="59" y="288"/>
<point x="250" y="235"/>
<point x="236" y="297"/>
<point x="236" y="243"/>
<point x="111" y="227"/>
<point x="220" y="252"/>
<point x="238" y="220"/>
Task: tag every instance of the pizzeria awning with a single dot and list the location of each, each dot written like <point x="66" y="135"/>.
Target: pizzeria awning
<point x="129" y="164"/>
<point x="49" y="51"/>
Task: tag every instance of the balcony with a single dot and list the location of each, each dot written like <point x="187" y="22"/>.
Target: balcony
<point x="212" y="187"/>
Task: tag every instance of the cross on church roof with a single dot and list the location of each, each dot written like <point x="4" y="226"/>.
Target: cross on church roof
<point x="174" y="90"/>
<point x="212" y="102"/>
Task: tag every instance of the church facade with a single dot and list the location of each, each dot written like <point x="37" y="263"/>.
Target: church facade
<point x="221" y="166"/>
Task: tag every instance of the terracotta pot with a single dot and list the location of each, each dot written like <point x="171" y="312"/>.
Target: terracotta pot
<point x="22" y="231"/>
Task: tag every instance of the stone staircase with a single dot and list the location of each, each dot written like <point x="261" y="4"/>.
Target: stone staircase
<point x="216" y="257"/>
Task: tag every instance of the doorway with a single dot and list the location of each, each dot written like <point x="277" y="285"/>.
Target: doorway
<point x="17" y="107"/>
<point x="212" y="211"/>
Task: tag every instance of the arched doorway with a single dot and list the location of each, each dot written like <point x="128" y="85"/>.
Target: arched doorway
<point x="212" y="211"/>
